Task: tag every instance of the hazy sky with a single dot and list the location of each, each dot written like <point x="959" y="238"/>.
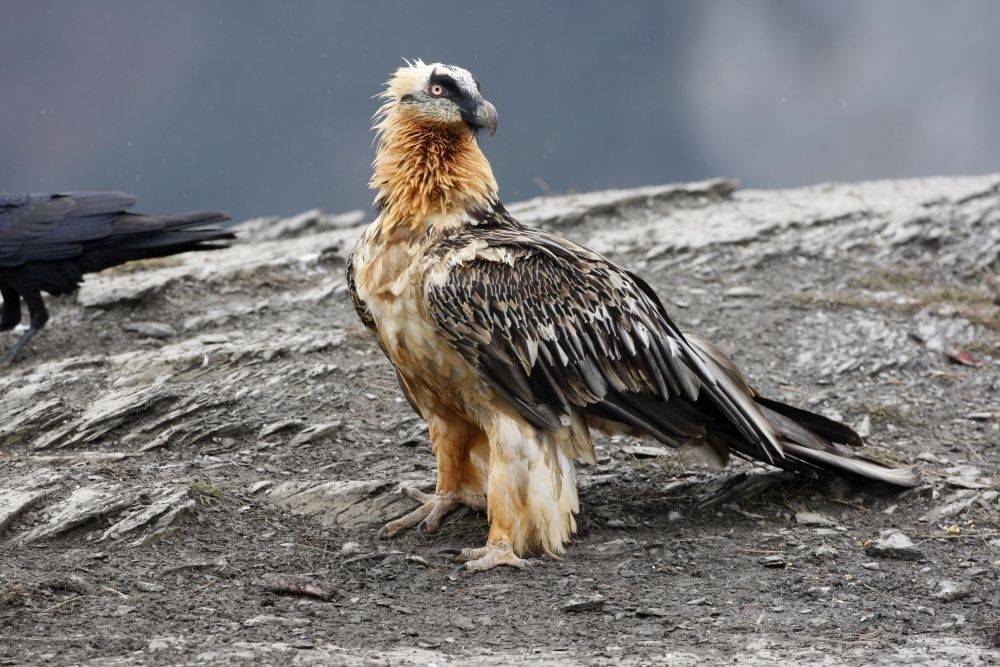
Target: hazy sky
<point x="263" y="107"/>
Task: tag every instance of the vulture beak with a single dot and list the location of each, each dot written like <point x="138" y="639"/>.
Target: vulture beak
<point x="486" y="117"/>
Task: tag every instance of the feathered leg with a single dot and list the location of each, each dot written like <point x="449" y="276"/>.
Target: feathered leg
<point x="531" y="496"/>
<point x="460" y="480"/>
<point x="38" y="316"/>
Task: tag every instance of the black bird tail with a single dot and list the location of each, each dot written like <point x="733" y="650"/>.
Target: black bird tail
<point x="148" y="236"/>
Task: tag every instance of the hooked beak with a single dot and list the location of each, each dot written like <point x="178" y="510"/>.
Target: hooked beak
<point x="486" y="117"/>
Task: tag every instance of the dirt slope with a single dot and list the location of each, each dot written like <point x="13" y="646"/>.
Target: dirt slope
<point x="188" y="433"/>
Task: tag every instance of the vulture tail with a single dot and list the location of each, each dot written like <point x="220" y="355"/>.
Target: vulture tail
<point x="823" y="445"/>
<point x="810" y="443"/>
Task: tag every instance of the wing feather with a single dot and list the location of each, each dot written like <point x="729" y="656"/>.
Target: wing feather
<point x="554" y="327"/>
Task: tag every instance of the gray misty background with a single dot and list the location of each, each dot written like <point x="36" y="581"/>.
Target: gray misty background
<point x="263" y="106"/>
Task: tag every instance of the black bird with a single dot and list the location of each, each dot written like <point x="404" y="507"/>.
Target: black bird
<point x="49" y="241"/>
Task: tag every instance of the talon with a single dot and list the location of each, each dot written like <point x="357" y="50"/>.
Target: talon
<point x="450" y="551"/>
<point x="488" y="557"/>
<point x="427" y="518"/>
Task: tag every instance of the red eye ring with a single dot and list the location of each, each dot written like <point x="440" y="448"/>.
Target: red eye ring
<point x="436" y="90"/>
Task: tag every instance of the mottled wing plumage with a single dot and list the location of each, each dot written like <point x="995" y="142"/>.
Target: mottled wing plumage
<point x="554" y="327"/>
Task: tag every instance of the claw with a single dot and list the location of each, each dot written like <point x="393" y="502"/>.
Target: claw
<point x="428" y="517"/>
<point x="488" y="557"/>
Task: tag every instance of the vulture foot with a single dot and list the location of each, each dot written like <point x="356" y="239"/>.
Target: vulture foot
<point x="434" y="509"/>
<point x="488" y="557"/>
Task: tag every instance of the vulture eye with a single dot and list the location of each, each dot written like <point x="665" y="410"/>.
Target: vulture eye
<point x="436" y="90"/>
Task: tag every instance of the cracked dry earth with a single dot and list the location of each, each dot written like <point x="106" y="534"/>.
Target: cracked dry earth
<point x="192" y="438"/>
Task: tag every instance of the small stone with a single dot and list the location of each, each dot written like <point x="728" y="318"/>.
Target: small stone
<point x="814" y="519"/>
<point x="266" y="619"/>
<point x="351" y="549"/>
<point x="645" y="451"/>
<point x="616" y="523"/>
<point x="316" y="432"/>
<point x="260" y="486"/>
<point x="464" y="623"/>
<point x="742" y="292"/>
<point x="950" y="591"/>
<point x="825" y="552"/>
<point x="122" y="610"/>
<point x="674" y="515"/>
<point x="870" y="566"/>
<point x="774" y="560"/>
<point x="864" y="427"/>
<point x="643" y="612"/>
<point x="149" y="587"/>
<point x="894" y="544"/>
<point x="275" y="427"/>
<point x="588" y="603"/>
<point x="150" y="329"/>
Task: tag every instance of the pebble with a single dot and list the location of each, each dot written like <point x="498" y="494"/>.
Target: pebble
<point x="651" y="611"/>
<point x="742" y="292"/>
<point x="894" y="544"/>
<point x="870" y="566"/>
<point x="645" y="451"/>
<point x="149" y="587"/>
<point x="825" y="552"/>
<point x="814" y="519"/>
<point x="350" y="549"/>
<point x="464" y="623"/>
<point x="949" y="591"/>
<point x="584" y="603"/>
<point x="775" y="560"/>
<point x="266" y="619"/>
<point x="150" y="329"/>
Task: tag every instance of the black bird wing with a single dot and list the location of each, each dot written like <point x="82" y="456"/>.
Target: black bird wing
<point x="51" y="227"/>
<point x="48" y="241"/>
<point x="554" y="327"/>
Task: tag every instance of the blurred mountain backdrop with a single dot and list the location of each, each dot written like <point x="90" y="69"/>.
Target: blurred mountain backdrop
<point x="263" y="107"/>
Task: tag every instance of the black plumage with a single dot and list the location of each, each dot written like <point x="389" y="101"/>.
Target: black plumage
<point x="49" y="241"/>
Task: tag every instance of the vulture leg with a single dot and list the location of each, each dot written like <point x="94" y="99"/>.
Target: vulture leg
<point x="459" y="483"/>
<point x="485" y="558"/>
<point x="10" y="316"/>
<point x="434" y="508"/>
<point x="37" y="317"/>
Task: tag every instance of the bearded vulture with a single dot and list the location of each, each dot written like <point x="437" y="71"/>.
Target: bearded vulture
<point x="513" y="342"/>
<point x="48" y="241"/>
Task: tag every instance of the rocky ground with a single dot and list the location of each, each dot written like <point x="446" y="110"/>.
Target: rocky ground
<point x="196" y="453"/>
